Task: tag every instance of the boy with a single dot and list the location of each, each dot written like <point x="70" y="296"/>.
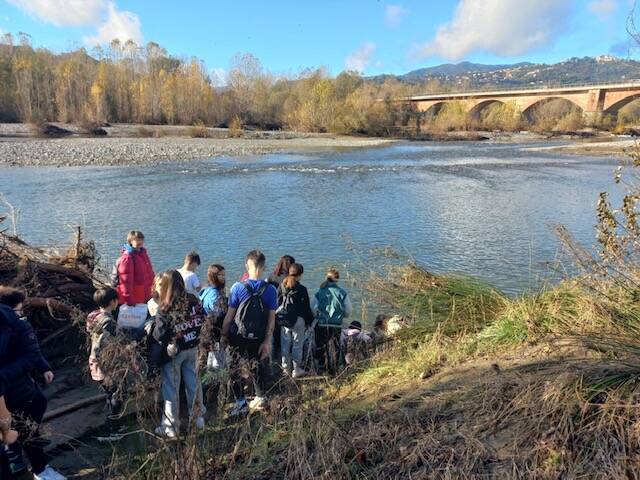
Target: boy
<point x="101" y="326"/>
<point x="188" y="272"/>
<point x="248" y="329"/>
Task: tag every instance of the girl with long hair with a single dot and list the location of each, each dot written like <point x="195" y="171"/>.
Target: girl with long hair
<point x="177" y="332"/>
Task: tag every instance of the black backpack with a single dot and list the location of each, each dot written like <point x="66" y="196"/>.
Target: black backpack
<point x="252" y="316"/>
<point x="287" y="313"/>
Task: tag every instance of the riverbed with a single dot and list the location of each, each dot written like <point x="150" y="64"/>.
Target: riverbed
<point x="481" y="208"/>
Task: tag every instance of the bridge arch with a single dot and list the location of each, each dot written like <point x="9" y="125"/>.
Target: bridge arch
<point x="434" y="109"/>
<point x="529" y="111"/>
<point x="615" y="107"/>
<point x="476" y="111"/>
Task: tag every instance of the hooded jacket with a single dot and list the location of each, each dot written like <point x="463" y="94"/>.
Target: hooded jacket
<point x="19" y="355"/>
<point x="135" y="276"/>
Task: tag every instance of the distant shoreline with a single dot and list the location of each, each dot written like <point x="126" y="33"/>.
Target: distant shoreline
<point x="122" y="147"/>
<point x="132" y="145"/>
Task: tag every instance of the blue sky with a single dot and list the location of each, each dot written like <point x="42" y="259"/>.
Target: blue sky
<point x="367" y="35"/>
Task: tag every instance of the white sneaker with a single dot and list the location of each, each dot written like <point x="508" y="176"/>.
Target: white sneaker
<point x="286" y="370"/>
<point x="239" y="409"/>
<point x="257" y="403"/>
<point x="298" y="372"/>
<point x="49" y="474"/>
<point x="200" y="423"/>
<point x="166" y="432"/>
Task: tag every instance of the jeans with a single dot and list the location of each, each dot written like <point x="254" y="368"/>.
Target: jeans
<point x="27" y="418"/>
<point x="292" y="340"/>
<point x="183" y="365"/>
<point x="248" y="351"/>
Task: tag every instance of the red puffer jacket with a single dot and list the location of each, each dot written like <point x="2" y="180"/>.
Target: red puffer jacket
<point x="135" y="276"/>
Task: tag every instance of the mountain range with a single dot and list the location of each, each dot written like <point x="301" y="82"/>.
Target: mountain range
<point x="467" y="75"/>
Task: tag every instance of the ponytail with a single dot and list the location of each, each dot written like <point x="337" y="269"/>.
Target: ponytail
<point x="295" y="272"/>
<point x="333" y="275"/>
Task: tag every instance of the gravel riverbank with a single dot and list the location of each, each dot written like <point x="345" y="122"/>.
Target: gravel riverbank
<point x="82" y="151"/>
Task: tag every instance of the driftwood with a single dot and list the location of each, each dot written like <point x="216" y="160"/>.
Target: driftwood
<point x="72" y="407"/>
<point x="59" y="288"/>
<point x="69" y="272"/>
<point x="50" y="304"/>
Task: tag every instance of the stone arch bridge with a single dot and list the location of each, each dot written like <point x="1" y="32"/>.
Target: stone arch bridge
<point x="592" y="99"/>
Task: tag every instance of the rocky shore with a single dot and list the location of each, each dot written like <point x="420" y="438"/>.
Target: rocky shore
<point x="18" y="147"/>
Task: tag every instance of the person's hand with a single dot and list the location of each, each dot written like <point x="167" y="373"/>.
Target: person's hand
<point x="265" y="349"/>
<point x="224" y="341"/>
<point x="48" y="376"/>
<point x="172" y="350"/>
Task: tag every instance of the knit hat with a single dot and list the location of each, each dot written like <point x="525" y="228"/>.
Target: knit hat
<point x="355" y="325"/>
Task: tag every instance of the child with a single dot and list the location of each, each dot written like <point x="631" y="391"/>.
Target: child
<point x="134" y="272"/>
<point x="354" y="343"/>
<point x="101" y="326"/>
<point x="177" y="331"/>
<point x="254" y="303"/>
<point x="152" y="304"/>
<point x="331" y="305"/>
<point x="215" y="304"/>
<point x="294" y="316"/>
<point x="188" y="272"/>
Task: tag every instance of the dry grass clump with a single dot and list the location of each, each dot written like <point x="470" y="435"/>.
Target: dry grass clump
<point x="451" y="304"/>
<point x="198" y="130"/>
<point x="236" y="129"/>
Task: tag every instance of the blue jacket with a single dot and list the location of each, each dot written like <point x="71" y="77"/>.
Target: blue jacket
<point x="19" y="355"/>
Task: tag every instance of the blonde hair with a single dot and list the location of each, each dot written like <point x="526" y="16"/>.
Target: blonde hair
<point x="133" y="234"/>
<point x="333" y="275"/>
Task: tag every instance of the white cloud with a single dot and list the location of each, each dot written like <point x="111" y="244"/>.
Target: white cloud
<point x="359" y="59"/>
<point x="104" y="14"/>
<point x="120" y="24"/>
<point x="603" y="8"/>
<point x="393" y="15"/>
<point x="502" y="27"/>
<point x="64" y="12"/>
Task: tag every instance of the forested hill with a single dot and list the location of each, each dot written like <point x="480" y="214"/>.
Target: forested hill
<point x="602" y="69"/>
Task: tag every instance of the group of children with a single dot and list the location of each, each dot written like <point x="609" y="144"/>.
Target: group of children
<point x="187" y="326"/>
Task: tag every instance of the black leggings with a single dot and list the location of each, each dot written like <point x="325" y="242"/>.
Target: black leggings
<point x="248" y="350"/>
<point x="328" y="347"/>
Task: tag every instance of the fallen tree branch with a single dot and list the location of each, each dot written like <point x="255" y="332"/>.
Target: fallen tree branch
<point x="50" y="304"/>
<point x="56" y="334"/>
<point x="69" y="272"/>
<point x="72" y="407"/>
<point x="67" y="288"/>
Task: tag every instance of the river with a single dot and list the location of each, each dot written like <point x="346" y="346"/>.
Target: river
<point x="485" y="209"/>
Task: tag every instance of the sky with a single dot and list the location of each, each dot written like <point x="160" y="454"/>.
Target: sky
<point x="369" y="36"/>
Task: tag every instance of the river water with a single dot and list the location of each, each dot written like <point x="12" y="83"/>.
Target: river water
<point x="485" y="209"/>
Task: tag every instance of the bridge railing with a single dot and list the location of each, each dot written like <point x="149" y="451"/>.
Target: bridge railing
<point x="532" y="88"/>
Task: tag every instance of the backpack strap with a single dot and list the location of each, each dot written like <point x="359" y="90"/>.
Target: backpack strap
<point x="248" y="287"/>
<point x="263" y="288"/>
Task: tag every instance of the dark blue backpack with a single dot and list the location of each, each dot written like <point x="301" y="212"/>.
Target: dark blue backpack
<point x="252" y="316"/>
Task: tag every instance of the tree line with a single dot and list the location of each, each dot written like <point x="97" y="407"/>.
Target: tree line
<point x="129" y="83"/>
